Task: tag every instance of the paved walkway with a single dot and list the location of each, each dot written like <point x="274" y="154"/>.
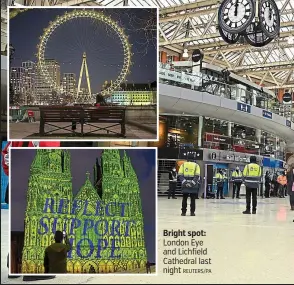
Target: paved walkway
<point x="30" y="130"/>
<point x="244" y="249"/>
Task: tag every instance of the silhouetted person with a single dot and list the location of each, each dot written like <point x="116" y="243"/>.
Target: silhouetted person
<point x="56" y="254"/>
<point x="172" y="183"/>
<point x="220" y="184"/>
<point x="267" y="184"/>
<point x="148" y="267"/>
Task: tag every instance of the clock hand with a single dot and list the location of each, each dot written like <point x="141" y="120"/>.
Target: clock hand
<point x="236" y="10"/>
<point x="270" y="14"/>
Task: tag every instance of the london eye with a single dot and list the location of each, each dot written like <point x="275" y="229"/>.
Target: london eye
<point x="85" y="40"/>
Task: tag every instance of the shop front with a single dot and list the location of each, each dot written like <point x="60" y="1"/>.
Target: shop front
<point x="174" y="157"/>
<point x="227" y="161"/>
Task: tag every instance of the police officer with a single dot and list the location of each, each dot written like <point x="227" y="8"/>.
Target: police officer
<point x="252" y="178"/>
<point x="220" y="177"/>
<point x="172" y="183"/>
<point x="189" y="175"/>
<point x="237" y="181"/>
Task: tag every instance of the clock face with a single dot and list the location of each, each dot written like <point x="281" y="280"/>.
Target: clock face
<point x="255" y="36"/>
<point x="269" y="17"/>
<point x="234" y="16"/>
<point x="229" y="38"/>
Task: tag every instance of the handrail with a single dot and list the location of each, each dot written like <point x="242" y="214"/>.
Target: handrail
<point x="206" y="83"/>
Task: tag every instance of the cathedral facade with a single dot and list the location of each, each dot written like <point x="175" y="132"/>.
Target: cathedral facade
<point x="103" y="221"/>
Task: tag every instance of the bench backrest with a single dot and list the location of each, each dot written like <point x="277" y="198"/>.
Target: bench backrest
<point x="68" y="114"/>
<point x="61" y="114"/>
<point x="103" y="113"/>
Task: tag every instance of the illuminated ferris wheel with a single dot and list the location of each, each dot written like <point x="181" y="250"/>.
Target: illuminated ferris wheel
<point x="93" y="15"/>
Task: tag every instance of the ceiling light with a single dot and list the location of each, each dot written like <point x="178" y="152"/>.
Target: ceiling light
<point x="185" y="53"/>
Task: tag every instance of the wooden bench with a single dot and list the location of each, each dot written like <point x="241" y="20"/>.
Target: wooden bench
<point x="111" y="115"/>
<point x="84" y="116"/>
<point x="51" y="115"/>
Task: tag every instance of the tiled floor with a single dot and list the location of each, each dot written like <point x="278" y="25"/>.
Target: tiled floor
<point x="243" y="248"/>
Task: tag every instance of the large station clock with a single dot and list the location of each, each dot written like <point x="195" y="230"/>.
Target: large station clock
<point x="255" y="36"/>
<point x="234" y="16"/>
<point x="228" y="37"/>
<point x="269" y="17"/>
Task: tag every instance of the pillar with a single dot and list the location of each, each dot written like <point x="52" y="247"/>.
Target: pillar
<point x="258" y="135"/>
<point x="200" y="127"/>
<point x="229" y="129"/>
<point x="253" y="99"/>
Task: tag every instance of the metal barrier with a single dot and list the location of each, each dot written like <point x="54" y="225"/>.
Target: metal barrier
<point x="206" y="83"/>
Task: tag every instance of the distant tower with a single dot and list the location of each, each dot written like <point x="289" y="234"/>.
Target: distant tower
<point x="84" y="96"/>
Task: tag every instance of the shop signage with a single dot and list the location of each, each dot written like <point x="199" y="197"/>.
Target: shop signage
<point x="180" y="77"/>
<point x="287" y="97"/>
<point x="244" y="107"/>
<point x="218" y="139"/>
<point x="267" y="114"/>
<point x="197" y="55"/>
<point x="213" y="156"/>
<point x="288" y="123"/>
<point x="235" y="158"/>
<point x="196" y="153"/>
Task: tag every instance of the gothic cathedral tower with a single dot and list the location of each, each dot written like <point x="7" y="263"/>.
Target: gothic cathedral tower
<point x="50" y="181"/>
<point x="120" y="185"/>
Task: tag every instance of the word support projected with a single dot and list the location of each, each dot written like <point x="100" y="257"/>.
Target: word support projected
<point x="185" y="252"/>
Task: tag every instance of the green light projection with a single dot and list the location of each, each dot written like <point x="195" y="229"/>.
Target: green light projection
<point x="107" y="232"/>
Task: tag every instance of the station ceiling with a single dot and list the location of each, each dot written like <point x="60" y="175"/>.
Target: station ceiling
<point x="191" y="24"/>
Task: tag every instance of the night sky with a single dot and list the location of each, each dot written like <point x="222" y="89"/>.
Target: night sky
<point x="83" y="160"/>
<point x="102" y="46"/>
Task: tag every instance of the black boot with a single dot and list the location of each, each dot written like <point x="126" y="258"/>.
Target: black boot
<point x="192" y="214"/>
<point x="183" y="214"/>
<point x="253" y="212"/>
<point x="247" y="212"/>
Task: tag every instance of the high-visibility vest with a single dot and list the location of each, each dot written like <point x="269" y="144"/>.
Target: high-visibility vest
<point x="220" y="177"/>
<point x="282" y="179"/>
<point x="252" y="175"/>
<point x="189" y="171"/>
<point x="237" y="176"/>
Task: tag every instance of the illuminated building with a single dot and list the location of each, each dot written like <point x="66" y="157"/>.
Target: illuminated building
<point x="29" y="82"/>
<point x="69" y="87"/>
<point x="134" y="94"/>
<point x="45" y="93"/>
<point x="50" y="178"/>
<point x="17" y="75"/>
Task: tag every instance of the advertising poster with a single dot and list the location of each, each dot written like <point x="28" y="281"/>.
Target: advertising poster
<point x="102" y="200"/>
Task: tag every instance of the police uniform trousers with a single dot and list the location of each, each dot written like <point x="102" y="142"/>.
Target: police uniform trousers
<point x="236" y="189"/>
<point x="267" y="190"/>
<point x="251" y="192"/>
<point x="220" y="191"/>
<point x="281" y="191"/>
<point x="172" y="189"/>
<point x="193" y="195"/>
